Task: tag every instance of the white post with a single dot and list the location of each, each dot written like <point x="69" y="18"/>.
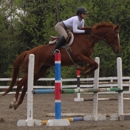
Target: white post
<point x="95" y="96"/>
<point x="30" y="120"/>
<point x="119" y="79"/>
<point x="120" y="115"/>
<point x="95" y="116"/>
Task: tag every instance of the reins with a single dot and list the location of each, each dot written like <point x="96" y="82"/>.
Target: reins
<point x="98" y="38"/>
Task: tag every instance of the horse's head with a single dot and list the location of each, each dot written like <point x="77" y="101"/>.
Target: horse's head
<point x="113" y="39"/>
<point x="109" y="32"/>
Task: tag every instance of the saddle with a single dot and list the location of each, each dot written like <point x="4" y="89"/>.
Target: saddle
<point x="69" y="41"/>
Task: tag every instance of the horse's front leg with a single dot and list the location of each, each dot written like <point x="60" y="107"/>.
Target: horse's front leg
<point x="91" y="69"/>
<point x="80" y="68"/>
<point x="83" y="68"/>
<point x="87" y="69"/>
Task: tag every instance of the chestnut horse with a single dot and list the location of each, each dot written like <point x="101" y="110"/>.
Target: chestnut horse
<point x="81" y="50"/>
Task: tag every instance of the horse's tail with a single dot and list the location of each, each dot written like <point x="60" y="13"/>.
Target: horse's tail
<point x="16" y="68"/>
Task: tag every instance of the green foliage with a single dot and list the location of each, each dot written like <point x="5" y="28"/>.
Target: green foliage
<point x="35" y="26"/>
<point x="6" y="47"/>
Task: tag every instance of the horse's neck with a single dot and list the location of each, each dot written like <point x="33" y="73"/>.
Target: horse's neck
<point x="102" y="31"/>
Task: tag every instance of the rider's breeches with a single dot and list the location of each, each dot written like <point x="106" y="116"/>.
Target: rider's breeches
<point x="61" y="30"/>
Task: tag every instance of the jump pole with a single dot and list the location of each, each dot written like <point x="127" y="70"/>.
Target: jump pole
<point x="58" y="85"/>
<point x="78" y="86"/>
<point x="78" y="98"/>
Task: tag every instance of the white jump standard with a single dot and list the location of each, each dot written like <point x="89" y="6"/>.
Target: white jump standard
<point x="120" y="116"/>
<point x="52" y="122"/>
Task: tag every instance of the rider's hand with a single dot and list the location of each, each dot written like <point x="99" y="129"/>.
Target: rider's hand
<point x="87" y="31"/>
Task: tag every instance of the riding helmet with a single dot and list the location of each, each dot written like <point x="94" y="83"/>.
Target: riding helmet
<point x="81" y="10"/>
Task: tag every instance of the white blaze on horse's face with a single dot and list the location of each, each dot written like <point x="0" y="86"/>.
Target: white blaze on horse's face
<point x="118" y="38"/>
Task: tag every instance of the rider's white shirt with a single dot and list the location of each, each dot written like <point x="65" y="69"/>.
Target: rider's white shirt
<point x="74" y="23"/>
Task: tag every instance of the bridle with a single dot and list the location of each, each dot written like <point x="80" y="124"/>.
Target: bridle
<point x="92" y="35"/>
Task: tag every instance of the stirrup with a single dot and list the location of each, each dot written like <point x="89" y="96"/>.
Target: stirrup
<point x="54" y="51"/>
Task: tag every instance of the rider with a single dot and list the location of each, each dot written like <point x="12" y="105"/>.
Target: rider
<point x="74" y="22"/>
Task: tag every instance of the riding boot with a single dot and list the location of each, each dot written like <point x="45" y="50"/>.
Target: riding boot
<point x="60" y="42"/>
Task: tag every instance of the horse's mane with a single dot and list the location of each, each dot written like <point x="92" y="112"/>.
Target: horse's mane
<point x="98" y="25"/>
<point x="103" y="24"/>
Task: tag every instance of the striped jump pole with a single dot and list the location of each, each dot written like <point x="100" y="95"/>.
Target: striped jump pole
<point x="78" y="83"/>
<point x="58" y="84"/>
<point x="95" y="90"/>
<point x="107" y="99"/>
<point x="43" y="91"/>
<point x="78" y="86"/>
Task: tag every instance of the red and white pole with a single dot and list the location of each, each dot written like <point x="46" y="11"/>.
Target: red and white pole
<point x="78" y="87"/>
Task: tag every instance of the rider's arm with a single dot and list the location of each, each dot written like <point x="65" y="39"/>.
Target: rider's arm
<point x="75" y="27"/>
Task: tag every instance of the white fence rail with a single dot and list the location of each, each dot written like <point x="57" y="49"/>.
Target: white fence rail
<point x="85" y="83"/>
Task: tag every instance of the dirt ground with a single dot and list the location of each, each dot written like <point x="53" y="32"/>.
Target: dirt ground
<point x="44" y="104"/>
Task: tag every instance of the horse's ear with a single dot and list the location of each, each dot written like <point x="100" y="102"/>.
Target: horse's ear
<point x="117" y="27"/>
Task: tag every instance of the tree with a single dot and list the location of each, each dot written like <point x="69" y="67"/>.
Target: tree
<point x="37" y="24"/>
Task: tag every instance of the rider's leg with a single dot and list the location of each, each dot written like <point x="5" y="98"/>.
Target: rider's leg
<point x="60" y="29"/>
<point x="60" y="42"/>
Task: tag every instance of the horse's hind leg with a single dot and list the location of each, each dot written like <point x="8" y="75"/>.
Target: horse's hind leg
<point x="37" y="75"/>
<point x="19" y="87"/>
<point x="23" y="94"/>
<point x="21" y="97"/>
<point x="42" y="71"/>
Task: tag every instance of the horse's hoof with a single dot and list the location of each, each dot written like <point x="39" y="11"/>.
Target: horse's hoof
<point x="10" y="106"/>
<point x="15" y="107"/>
